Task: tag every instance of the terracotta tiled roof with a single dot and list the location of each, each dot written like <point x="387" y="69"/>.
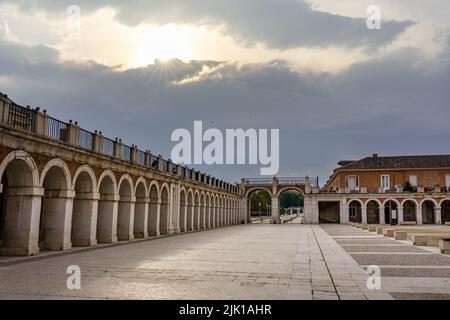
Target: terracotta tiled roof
<point x="399" y="162"/>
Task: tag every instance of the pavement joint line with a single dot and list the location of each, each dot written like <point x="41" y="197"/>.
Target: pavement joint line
<point x="326" y="264"/>
<point x="408" y="267"/>
<point x="391" y="253"/>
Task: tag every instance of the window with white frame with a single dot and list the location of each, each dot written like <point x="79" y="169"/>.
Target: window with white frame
<point x="352" y="212"/>
<point x="385" y="183"/>
<point x="447" y="180"/>
<point x="413" y="180"/>
<point x="352" y="182"/>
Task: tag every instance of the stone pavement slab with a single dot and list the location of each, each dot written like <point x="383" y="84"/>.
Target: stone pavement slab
<point x="254" y="261"/>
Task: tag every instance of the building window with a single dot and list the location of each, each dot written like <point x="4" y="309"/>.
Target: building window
<point x="385" y="184"/>
<point x="352" y="182"/>
<point x="447" y="180"/>
<point x="413" y="180"/>
<point x="352" y="212"/>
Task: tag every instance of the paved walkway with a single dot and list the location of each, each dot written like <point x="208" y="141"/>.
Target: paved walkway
<point x="407" y="271"/>
<point x="289" y="261"/>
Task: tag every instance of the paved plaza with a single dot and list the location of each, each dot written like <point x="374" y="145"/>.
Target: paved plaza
<point x="254" y="261"/>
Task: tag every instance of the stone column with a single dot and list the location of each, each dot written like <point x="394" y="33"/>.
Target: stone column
<point x="419" y="214"/>
<point x="56" y="222"/>
<point x="381" y="214"/>
<point x="275" y="210"/>
<point x="85" y="219"/>
<point x="22" y="215"/>
<point x="437" y="215"/>
<point x="190" y="217"/>
<point x="364" y="214"/>
<point x="400" y="218"/>
<point x="141" y="217"/>
<point x="107" y="218"/>
<point x="344" y="214"/>
<point x="244" y="210"/>
<point x="125" y="218"/>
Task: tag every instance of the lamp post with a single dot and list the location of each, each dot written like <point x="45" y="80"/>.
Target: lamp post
<point x="259" y="210"/>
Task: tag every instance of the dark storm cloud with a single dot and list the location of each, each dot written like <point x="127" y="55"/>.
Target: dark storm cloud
<point x="281" y="24"/>
<point x="392" y="105"/>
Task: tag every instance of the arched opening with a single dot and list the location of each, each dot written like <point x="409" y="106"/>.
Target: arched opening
<point x="208" y="223"/>
<point x="141" y="212"/>
<point x="85" y="211"/>
<point x="373" y="212"/>
<point x="445" y="211"/>
<point x="153" y="220"/>
<point x="355" y="211"/>
<point x="125" y="216"/>
<point x="56" y="212"/>
<point x="20" y="209"/>
<point x="164" y="216"/>
<point x="390" y="212"/>
<point x="409" y="211"/>
<point x="291" y="205"/>
<point x="190" y="212"/>
<point x="183" y="209"/>
<point x="260" y="206"/>
<point x="202" y="211"/>
<point x="216" y="212"/>
<point x="196" y="211"/>
<point x="428" y="212"/>
<point x="107" y="211"/>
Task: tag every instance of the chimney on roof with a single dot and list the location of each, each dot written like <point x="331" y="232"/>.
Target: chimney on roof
<point x="375" y="155"/>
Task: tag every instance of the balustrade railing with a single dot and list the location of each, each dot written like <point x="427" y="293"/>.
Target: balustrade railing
<point x="107" y="147"/>
<point x="140" y="157"/>
<point x="57" y="129"/>
<point x="125" y="153"/>
<point x="85" y="139"/>
<point x="21" y="118"/>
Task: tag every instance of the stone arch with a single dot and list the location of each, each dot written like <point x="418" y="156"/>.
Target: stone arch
<point x="196" y="210"/>
<point x="373" y="210"/>
<point x="390" y="205"/>
<point x="108" y="205"/>
<point x="57" y="163"/>
<point x="428" y="206"/>
<point x="85" y="207"/>
<point x="183" y="209"/>
<point x="410" y="207"/>
<point x="20" y="204"/>
<point x="208" y="220"/>
<point x="140" y="229"/>
<point x="55" y="221"/>
<point x="355" y="208"/>
<point x="251" y="190"/>
<point x="444" y="204"/>
<point x="202" y="210"/>
<point x="164" y="209"/>
<point x="190" y="210"/>
<point x="290" y="188"/>
<point x="125" y="214"/>
<point x="154" y="207"/>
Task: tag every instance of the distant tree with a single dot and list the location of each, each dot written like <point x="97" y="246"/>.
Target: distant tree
<point x="258" y="197"/>
<point x="291" y="199"/>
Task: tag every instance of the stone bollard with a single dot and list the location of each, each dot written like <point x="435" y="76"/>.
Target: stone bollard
<point x="444" y="245"/>
<point x="364" y="226"/>
<point x="380" y="230"/>
<point x="420" y="239"/>
<point x="389" y="233"/>
<point x="400" y="235"/>
<point x="372" y="228"/>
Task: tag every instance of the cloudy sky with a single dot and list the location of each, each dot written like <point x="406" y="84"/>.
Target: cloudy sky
<point x="335" y="89"/>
